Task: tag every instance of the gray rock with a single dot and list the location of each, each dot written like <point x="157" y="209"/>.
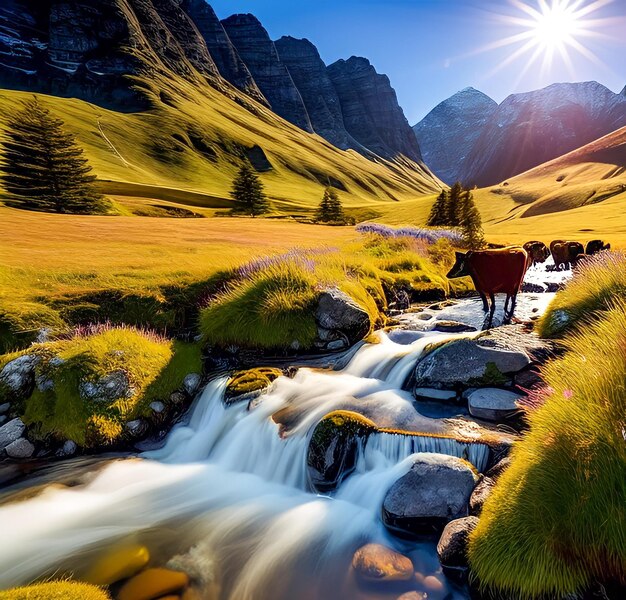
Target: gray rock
<point x="336" y="345"/>
<point x="157" y="407"/>
<point x="338" y="311"/>
<point x="69" y="448"/>
<point x="191" y="383"/>
<point x="3" y="419"/>
<point x="11" y="431"/>
<point x="479" y="496"/>
<point x="136" y="428"/>
<point x="110" y="387"/>
<point x="18" y="375"/>
<point x="493" y="404"/>
<point x="20" y="448"/>
<point x="466" y="362"/>
<point x="4" y="408"/>
<point x="44" y="383"/>
<point x="405" y="336"/>
<point x="435" y="491"/>
<point x="434" y="394"/>
<point x="452" y="327"/>
<point x="452" y="546"/>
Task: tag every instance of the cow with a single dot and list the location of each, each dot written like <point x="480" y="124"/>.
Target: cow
<point x="566" y="253"/>
<point x="595" y="246"/>
<point x="538" y="252"/>
<point x="493" y="272"/>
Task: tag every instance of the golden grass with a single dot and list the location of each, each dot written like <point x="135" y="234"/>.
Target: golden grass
<point x="56" y="590"/>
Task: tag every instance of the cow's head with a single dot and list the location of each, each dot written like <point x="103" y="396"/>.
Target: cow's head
<point x="460" y="268"/>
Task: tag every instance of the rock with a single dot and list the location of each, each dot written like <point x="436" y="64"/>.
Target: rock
<point x="118" y="564"/>
<point x="336" y="345"/>
<point x="429" y="394"/>
<point x="112" y="386"/>
<point x="447" y="132"/>
<point x="468" y="362"/>
<point x="153" y="583"/>
<point x="20" y="448"/>
<point x="4" y="408"/>
<point x="452" y="327"/>
<point x="532" y="288"/>
<point x="10" y="432"/>
<point x="245" y="386"/>
<point x="377" y="563"/>
<point x="481" y="492"/>
<point x="332" y="451"/>
<point x="44" y="383"/>
<point x="414" y="596"/>
<point x="270" y="73"/>
<point x="404" y="336"/>
<point x="3" y="419"/>
<point x="178" y="399"/>
<point x="493" y="404"/>
<point x="338" y="311"/>
<point x="498" y="468"/>
<point x="18" y="376"/>
<point x="191" y="383"/>
<point x="529" y="379"/>
<point x="435" y="490"/>
<point x="69" y="448"/>
<point x="318" y="93"/>
<point x="452" y="546"/>
<point x="136" y="428"/>
<point x="157" y="407"/>
<point x="371" y="113"/>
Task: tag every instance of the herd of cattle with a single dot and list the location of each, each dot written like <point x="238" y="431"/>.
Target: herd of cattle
<point x="502" y="270"/>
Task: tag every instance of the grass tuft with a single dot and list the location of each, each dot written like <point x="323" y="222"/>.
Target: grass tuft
<point x="56" y="590"/>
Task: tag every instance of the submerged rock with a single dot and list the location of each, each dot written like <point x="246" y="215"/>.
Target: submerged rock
<point x="452" y="546"/>
<point x="153" y="583"/>
<point x="339" y="312"/>
<point x="118" y="564"/>
<point x="493" y="404"/>
<point x="333" y="448"/>
<point x="378" y="563"/>
<point x="435" y="491"/>
<point x="245" y="386"/>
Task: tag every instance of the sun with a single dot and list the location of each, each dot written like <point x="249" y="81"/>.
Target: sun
<point x="556" y="24"/>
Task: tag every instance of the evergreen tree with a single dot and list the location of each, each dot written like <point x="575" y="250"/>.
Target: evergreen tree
<point x="247" y="192"/>
<point x="455" y="198"/>
<point x="439" y="212"/>
<point x="330" y="209"/>
<point x="470" y="221"/>
<point x="43" y="167"/>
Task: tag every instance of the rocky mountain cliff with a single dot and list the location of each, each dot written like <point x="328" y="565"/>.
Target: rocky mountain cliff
<point x="532" y="128"/>
<point x="110" y="51"/>
<point x="447" y="134"/>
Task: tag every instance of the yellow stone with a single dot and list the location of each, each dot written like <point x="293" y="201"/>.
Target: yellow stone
<point x="153" y="583"/>
<point x="119" y="563"/>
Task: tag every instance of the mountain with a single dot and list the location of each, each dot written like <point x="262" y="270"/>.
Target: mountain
<point x="447" y="133"/>
<point x="371" y="113"/>
<point x="529" y="129"/>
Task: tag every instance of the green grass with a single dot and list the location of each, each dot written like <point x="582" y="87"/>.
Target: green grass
<point x="556" y="520"/>
<point x="56" y="590"/>
<point x="154" y="366"/>
<point x="597" y="283"/>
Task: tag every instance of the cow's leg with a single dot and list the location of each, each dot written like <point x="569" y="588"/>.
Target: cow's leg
<point x="483" y="297"/>
<point x="492" y="299"/>
<point x="513" y="304"/>
<point x="506" y="303"/>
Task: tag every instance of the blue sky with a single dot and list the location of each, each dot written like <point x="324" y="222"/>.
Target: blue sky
<point x="429" y="48"/>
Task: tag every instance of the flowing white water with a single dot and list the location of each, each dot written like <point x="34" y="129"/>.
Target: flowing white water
<point x="231" y="484"/>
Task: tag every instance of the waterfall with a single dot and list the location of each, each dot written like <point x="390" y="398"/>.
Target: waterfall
<point x="230" y="484"/>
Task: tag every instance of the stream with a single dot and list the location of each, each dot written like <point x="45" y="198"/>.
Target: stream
<point x="227" y="498"/>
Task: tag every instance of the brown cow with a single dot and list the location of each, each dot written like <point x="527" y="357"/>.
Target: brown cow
<point x="595" y="246"/>
<point x="493" y="272"/>
<point x="566" y="253"/>
<point x="537" y="252"/>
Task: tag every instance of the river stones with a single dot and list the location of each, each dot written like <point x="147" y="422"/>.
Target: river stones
<point x="452" y="546"/>
<point x="245" y="386"/>
<point x="191" y="383"/>
<point x="493" y="404"/>
<point x="333" y="449"/>
<point x="20" y="448"/>
<point x="118" y="564"/>
<point x="377" y="563"/>
<point x="10" y="432"/>
<point x="479" y="496"/>
<point x="468" y="362"/>
<point x="153" y="583"/>
<point x="436" y="490"/>
<point x="337" y="311"/>
<point x="452" y="327"/>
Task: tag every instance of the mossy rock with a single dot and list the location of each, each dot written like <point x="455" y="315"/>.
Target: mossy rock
<point x="56" y="590"/>
<point x="247" y="385"/>
<point x="333" y="448"/>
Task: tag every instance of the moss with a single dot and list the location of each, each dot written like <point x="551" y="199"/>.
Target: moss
<point x="56" y="590"/>
<point x="556" y="520"/>
<point x="250" y="381"/>
<point x="491" y="377"/>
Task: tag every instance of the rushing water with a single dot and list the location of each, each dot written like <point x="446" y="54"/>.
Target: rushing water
<point x="228" y="494"/>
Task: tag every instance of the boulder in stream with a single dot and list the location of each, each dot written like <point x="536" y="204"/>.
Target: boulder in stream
<point x="333" y="448"/>
<point x="376" y="563"/>
<point x="493" y="404"/>
<point x="436" y="490"/>
<point x="245" y="386"/>
<point x="452" y="546"/>
<point x="336" y="311"/>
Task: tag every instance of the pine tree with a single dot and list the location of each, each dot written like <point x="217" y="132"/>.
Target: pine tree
<point x="330" y="209"/>
<point x="439" y="212"/>
<point x="43" y="167"/>
<point x="470" y="221"/>
<point x="455" y="197"/>
<point x="247" y="192"/>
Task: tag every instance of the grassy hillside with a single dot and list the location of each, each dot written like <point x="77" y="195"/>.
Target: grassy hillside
<point x="189" y="146"/>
